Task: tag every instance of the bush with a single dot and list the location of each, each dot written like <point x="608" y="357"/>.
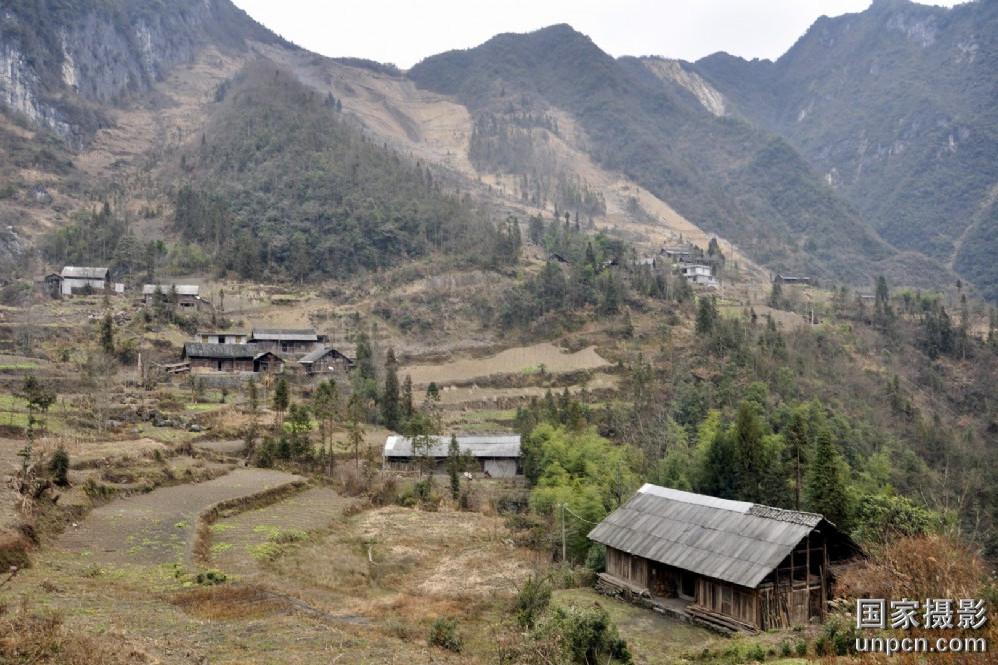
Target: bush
<point x="532" y="599"/>
<point x="59" y="466"/>
<point x="596" y="558"/>
<point x="582" y="635"/>
<point x="443" y="634"/>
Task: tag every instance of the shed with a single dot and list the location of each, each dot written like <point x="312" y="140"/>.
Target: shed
<point x="82" y="279"/>
<point x="326" y="361"/>
<point x="791" y="280"/>
<point x="495" y="455"/>
<point x="286" y="340"/>
<point x="739" y="564"/>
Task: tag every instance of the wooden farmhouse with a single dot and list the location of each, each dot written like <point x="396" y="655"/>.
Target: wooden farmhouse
<point x="496" y="456"/>
<point x="285" y="340"/>
<point x="80" y="280"/>
<point x="187" y="295"/>
<point x="231" y="358"/>
<point x="326" y="361"/>
<point x="792" y="280"/>
<point x="733" y="564"/>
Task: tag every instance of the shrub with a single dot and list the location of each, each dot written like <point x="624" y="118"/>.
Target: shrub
<point x="596" y="558"/>
<point x="59" y="466"/>
<point x="532" y="599"/>
<point x="444" y="634"/>
<point x="582" y="635"/>
<point x="801" y="648"/>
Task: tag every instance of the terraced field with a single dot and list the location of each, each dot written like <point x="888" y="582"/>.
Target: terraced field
<point x="158" y="527"/>
<point x="242" y="542"/>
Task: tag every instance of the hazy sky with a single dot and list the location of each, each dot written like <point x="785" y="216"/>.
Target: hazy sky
<point x="403" y="32"/>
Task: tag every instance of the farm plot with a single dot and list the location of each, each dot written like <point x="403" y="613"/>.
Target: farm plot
<point x="525" y="359"/>
<point x="158" y="527"/>
<point x="242" y="542"/>
<point x="396" y="562"/>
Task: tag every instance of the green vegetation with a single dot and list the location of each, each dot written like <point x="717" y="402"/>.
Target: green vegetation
<point x="287" y="188"/>
<point x="747" y="185"/>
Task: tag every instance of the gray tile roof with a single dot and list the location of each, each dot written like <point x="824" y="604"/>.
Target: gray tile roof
<point x="733" y="541"/>
<point x="285" y="334"/>
<point x="479" y="446"/>
<point x="228" y="351"/>
<point x="84" y="273"/>
<point x="182" y="289"/>
<point x="319" y="354"/>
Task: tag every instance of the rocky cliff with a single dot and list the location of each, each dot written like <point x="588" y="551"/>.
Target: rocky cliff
<point x="60" y="61"/>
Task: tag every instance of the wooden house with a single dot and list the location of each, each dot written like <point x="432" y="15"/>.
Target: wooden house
<point x="497" y="456"/>
<point x="188" y="295"/>
<point x="791" y="280"/>
<point x="326" y="361"/>
<point x="227" y="337"/>
<point x="81" y="280"/>
<point x="738" y="565"/>
<point x="286" y="340"/>
<point x="231" y="358"/>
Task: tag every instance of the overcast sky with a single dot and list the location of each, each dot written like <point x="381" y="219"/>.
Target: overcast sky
<point x="403" y="32"/>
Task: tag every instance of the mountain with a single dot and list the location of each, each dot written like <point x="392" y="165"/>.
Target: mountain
<point x="722" y="173"/>
<point x="61" y="61"/>
<point x="897" y="107"/>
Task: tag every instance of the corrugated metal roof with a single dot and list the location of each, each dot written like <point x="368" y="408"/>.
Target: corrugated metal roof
<point x="285" y="334"/>
<point x="228" y="351"/>
<point x="733" y="541"/>
<point x="165" y="289"/>
<point x="479" y="446"/>
<point x="83" y="273"/>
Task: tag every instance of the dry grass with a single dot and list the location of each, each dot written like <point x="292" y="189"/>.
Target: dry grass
<point x="227" y="602"/>
<point x="526" y="359"/>
<point x="44" y="638"/>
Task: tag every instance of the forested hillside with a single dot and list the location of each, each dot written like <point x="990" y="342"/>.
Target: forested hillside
<point x="727" y="177"/>
<point x="896" y="108"/>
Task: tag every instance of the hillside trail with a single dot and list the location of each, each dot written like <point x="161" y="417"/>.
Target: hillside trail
<point x="159" y="527"/>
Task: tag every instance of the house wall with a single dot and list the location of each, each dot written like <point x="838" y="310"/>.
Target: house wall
<point x="294" y="347"/>
<point x="500" y="468"/>
<point x="731" y="600"/>
<point x="70" y="284"/>
<point x="222" y="364"/>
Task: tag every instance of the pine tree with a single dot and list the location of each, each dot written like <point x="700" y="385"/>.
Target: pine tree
<point x="826" y="481"/>
<point x="454" y="460"/>
<point x="281" y="399"/>
<point x="106" y="339"/>
<point x="390" y="395"/>
<point x="406" y="406"/>
<point x="749" y="458"/>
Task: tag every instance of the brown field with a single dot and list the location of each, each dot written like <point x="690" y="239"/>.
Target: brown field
<point x="158" y="527"/>
<point x="526" y="359"/>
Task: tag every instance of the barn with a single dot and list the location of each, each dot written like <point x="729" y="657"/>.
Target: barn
<point x="736" y="565"/>
<point x="496" y="455"/>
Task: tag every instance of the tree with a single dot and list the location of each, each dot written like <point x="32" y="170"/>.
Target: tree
<point x="59" y="466"/>
<point x="390" y="395"/>
<point x="706" y="316"/>
<point x="38" y="396"/>
<point x="827" y="480"/>
<point x="106" y="334"/>
<point x="326" y="406"/>
<point x="281" y="399"/>
<point x="364" y="365"/>
<point x="454" y="460"/>
<point x="431" y="405"/>
<point x="420" y="431"/>
<point x="355" y="425"/>
<point x="748" y="454"/>
<point x="776" y="296"/>
<point x="406" y="405"/>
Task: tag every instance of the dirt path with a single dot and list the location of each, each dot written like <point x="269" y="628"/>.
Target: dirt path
<point x="158" y="527"/>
